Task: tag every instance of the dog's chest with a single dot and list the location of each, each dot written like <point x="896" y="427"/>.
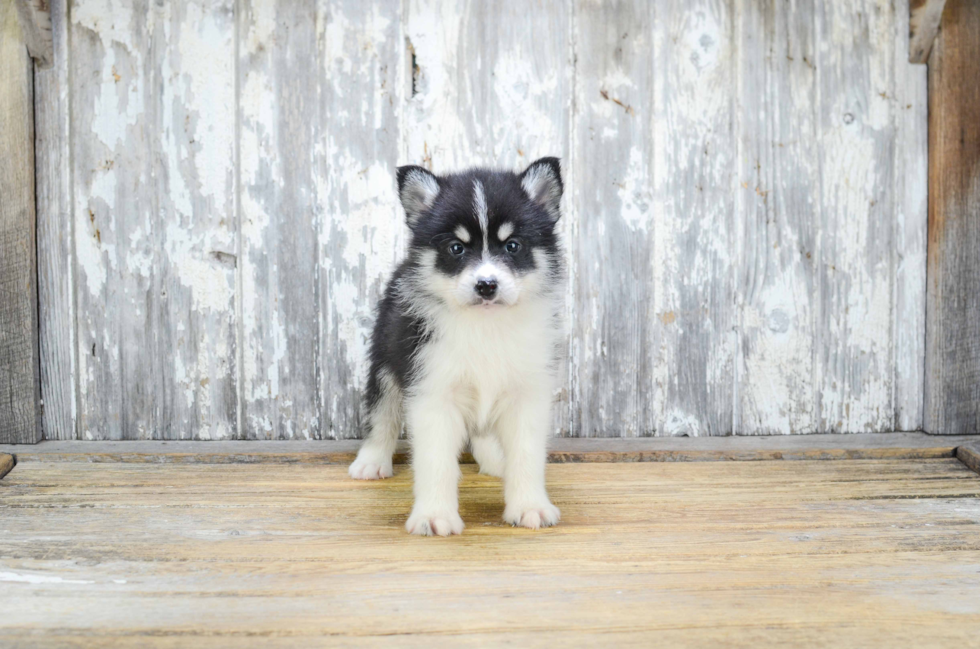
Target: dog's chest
<point x="481" y="361"/>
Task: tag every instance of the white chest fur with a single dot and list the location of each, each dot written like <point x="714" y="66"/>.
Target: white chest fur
<point x="479" y="359"/>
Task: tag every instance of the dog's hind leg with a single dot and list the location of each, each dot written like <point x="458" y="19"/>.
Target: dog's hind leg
<point x="384" y="419"/>
<point x="488" y="453"/>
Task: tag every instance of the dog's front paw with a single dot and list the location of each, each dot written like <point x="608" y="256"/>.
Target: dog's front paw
<point x="426" y="522"/>
<point x="533" y="516"/>
<point x="371" y="465"/>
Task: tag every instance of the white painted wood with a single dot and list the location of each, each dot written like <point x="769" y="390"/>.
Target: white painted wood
<point x="361" y="232"/>
<point x="744" y="214"/>
<point x="153" y="148"/>
<point x="778" y="189"/>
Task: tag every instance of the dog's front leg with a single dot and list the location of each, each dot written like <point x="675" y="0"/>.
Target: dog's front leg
<point x="523" y="432"/>
<point x="437" y="434"/>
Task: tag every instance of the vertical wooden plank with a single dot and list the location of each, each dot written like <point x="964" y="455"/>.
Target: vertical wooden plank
<point x="153" y="150"/>
<point x="55" y="262"/>
<point x="362" y="54"/>
<point x="856" y="234"/>
<point x="693" y="219"/>
<point x="778" y="189"/>
<point x="492" y="86"/>
<point x="922" y="27"/>
<point x="614" y="343"/>
<point x="910" y="114"/>
<point x="952" y="380"/>
<point x="19" y="364"/>
<point x="278" y="113"/>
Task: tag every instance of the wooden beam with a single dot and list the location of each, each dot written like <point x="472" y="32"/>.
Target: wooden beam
<point x="35" y="21"/>
<point x="924" y="17"/>
<point x="561" y="450"/>
<point x="19" y="366"/>
<point x="952" y="380"/>
<point x="970" y="456"/>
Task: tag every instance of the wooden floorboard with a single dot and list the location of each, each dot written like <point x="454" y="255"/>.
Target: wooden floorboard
<point x="876" y="552"/>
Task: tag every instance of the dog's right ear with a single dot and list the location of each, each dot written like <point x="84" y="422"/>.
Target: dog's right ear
<point x="417" y="189"/>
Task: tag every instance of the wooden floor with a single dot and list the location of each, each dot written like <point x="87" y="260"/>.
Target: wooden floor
<point x="695" y="554"/>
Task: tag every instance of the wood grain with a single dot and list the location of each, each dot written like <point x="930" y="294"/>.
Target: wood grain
<point x="970" y="456"/>
<point x="741" y="554"/>
<point x="361" y="229"/>
<point x="924" y="18"/>
<point x="19" y="364"/>
<point x="952" y="374"/>
<point x="55" y="227"/>
<point x="155" y="231"/>
<point x="601" y="449"/>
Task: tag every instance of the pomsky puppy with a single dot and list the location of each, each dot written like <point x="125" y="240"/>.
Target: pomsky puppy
<point x="465" y="347"/>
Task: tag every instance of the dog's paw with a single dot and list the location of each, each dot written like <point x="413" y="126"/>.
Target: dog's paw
<point x="432" y="523"/>
<point x="370" y="465"/>
<point x="533" y="516"/>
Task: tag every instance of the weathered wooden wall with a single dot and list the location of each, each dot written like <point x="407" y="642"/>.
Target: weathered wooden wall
<point x="744" y="222"/>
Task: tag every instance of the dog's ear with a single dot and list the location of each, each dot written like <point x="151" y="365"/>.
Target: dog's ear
<point x="542" y="183"/>
<point x="417" y="189"/>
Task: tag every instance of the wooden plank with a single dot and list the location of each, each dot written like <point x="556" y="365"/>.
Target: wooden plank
<point x="879" y="445"/>
<point x="751" y="554"/>
<point x="279" y="245"/>
<point x="155" y="229"/>
<point x="693" y="220"/>
<point x="854" y="252"/>
<point x="910" y="108"/>
<point x="7" y="463"/>
<point x="492" y="86"/>
<point x="613" y="361"/>
<point x="778" y="176"/>
<point x="55" y="227"/>
<point x="952" y="379"/>
<point x="360" y="222"/>
<point x="35" y="21"/>
<point x="924" y="18"/>
<point x="970" y="456"/>
<point x="19" y="365"/>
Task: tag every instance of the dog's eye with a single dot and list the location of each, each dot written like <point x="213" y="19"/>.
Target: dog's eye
<point x="456" y="249"/>
<point x="512" y="246"/>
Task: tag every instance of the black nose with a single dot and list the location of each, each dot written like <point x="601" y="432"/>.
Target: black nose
<point x="486" y="288"/>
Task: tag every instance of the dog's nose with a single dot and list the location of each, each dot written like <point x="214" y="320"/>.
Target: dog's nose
<point x="486" y="288"/>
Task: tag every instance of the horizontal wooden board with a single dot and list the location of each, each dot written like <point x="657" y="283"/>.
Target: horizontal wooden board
<point x="563" y="450"/>
<point x="757" y="554"/>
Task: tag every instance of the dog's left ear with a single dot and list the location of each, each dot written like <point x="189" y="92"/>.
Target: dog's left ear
<point x="542" y="183"/>
<point x="417" y="189"/>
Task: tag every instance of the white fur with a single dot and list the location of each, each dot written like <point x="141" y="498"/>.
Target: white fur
<point x="488" y="373"/>
<point x="540" y="184"/>
<point x="486" y="376"/>
<point x="504" y="231"/>
<point x="482" y="212"/>
<point x="418" y="193"/>
<point x="462" y="234"/>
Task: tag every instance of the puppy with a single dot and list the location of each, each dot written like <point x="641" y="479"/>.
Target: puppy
<point x="465" y="347"/>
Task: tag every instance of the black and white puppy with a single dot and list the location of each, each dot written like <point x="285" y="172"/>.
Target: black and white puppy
<point x="465" y="347"/>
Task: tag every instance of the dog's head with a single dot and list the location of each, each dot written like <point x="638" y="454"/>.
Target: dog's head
<point x="484" y="238"/>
